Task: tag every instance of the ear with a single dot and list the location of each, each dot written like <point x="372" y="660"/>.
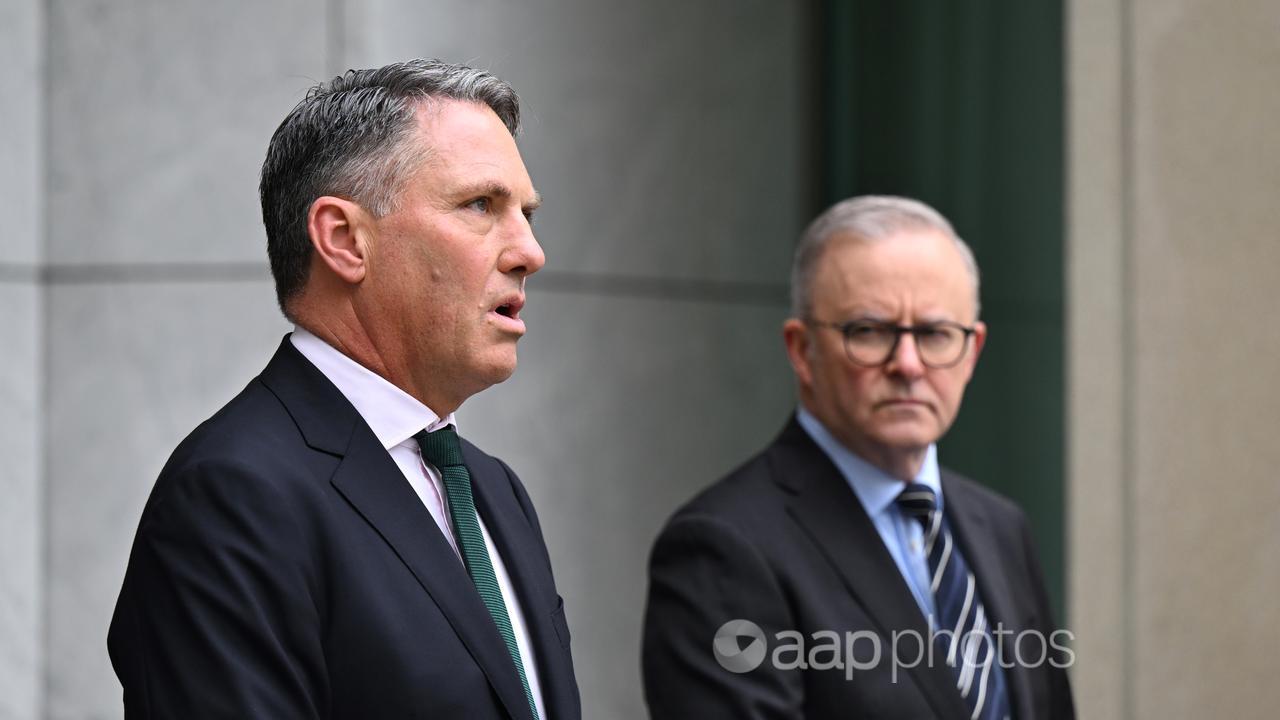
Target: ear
<point x="979" y="339"/>
<point x="796" y="336"/>
<point x="339" y="230"/>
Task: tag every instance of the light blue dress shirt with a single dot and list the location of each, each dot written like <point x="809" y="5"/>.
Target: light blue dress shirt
<point x="877" y="491"/>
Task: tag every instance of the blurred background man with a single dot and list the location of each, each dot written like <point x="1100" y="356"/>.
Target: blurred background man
<point x="847" y="523"/>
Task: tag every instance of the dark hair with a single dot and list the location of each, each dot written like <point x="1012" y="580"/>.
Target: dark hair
<point x="348" y="138"/>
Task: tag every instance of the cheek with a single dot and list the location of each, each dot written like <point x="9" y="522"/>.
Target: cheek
<point x="855" y="390"/>
<point x="949" y="391"/>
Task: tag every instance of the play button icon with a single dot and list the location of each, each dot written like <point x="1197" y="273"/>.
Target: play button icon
<point x="739" y="646"/>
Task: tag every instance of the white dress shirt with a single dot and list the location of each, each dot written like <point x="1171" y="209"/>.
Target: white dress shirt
<point x="395" y="417"/>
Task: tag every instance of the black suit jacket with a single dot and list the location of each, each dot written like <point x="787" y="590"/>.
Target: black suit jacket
<point x="784" y="542"/>
<point x="283" y="568"/>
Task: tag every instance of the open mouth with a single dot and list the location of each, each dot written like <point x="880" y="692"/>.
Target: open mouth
<point x="511" y="308"/>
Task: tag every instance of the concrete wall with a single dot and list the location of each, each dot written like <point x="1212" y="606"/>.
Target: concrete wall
<point x="668" y="140"/>
<point x="1174" y="385"/>
<point x="22" y="413"/>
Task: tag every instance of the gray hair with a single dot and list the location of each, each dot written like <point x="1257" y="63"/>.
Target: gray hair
<point x="866" y="218"/>
<point x="350" y="137"/>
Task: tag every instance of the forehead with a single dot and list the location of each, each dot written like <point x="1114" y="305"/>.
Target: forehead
<point x="911" y="272"/>
<point x="466" y="142"/>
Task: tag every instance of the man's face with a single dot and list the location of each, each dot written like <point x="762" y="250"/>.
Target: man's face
<point x="893" y="411"/>
<point x="446" y="276"/>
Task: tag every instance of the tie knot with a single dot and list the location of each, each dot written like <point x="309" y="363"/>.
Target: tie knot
<point x="918" y="501"/>
<point x="440" y="448"/>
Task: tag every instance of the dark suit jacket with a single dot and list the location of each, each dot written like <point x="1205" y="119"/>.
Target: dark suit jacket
<point x="784" y="542"/>
<point x="283" y="568"/>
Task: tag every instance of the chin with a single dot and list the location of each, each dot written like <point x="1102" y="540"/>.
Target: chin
<point x="909" y="437"/>
<point x="500" y="369"/>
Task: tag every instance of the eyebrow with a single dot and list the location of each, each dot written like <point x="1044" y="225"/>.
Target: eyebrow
<point x="498" y="190"/>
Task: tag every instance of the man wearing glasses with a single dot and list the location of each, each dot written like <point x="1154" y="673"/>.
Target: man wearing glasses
<point x="841" y="572"/>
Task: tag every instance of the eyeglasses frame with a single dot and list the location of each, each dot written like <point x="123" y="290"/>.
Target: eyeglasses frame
<point x="898" y="330"/>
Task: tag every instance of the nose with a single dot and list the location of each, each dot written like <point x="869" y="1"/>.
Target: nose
<point x="523" y="255"/>
<point x="905" y="360"/>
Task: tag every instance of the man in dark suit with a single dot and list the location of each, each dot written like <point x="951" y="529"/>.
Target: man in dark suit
<point x="325" y="546"/>
<point x="841" y="573"/>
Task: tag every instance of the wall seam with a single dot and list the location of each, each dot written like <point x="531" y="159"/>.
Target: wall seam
<point x="1129" y="369"/>
<point x="43" y="300"/>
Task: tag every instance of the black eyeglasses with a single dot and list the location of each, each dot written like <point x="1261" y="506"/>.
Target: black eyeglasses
<point x="940" y="345"/>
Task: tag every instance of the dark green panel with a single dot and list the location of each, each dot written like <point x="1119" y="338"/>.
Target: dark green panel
<point x="961" y="105"/>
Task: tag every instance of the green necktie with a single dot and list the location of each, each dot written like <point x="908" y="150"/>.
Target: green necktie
<point x="442" y="449"/>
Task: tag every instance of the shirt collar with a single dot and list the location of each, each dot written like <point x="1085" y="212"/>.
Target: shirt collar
<point x="875" y="488"/>
<point x="392" y="414"/>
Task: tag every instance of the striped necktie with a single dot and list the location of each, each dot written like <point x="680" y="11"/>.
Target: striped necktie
<point x="442" y="449"/>
<point x="963" y="628"/>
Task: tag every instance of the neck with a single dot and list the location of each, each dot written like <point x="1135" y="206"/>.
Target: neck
<point x="903" y="465"/>
<point x="349" y="337"/>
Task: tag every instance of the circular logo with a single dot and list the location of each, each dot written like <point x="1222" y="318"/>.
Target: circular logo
<point x="739" y="646"/>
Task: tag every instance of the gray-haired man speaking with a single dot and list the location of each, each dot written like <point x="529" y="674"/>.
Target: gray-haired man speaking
<point x="326" y="545"/>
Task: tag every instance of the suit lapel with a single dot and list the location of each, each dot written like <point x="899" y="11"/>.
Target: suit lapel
<point x="371" y="481"/>
<point x="827" y="509"/>
<point x="519" y="548"/>
<point x="982" y="552"/>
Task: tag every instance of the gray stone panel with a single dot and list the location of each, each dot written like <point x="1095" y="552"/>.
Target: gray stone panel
<point x="22" y="87"/>
<point x="1206" y="382"/>
<point x="159" y="117"/>
<point x="21" y="362"/>
<point x="1096" y="429"/>
<point x="21" y="507"/>
<point x="668" y="138"/>
<point x="1175" y="388"/>
<point x="134" y="368"/>
<point x="620" y="411"/>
